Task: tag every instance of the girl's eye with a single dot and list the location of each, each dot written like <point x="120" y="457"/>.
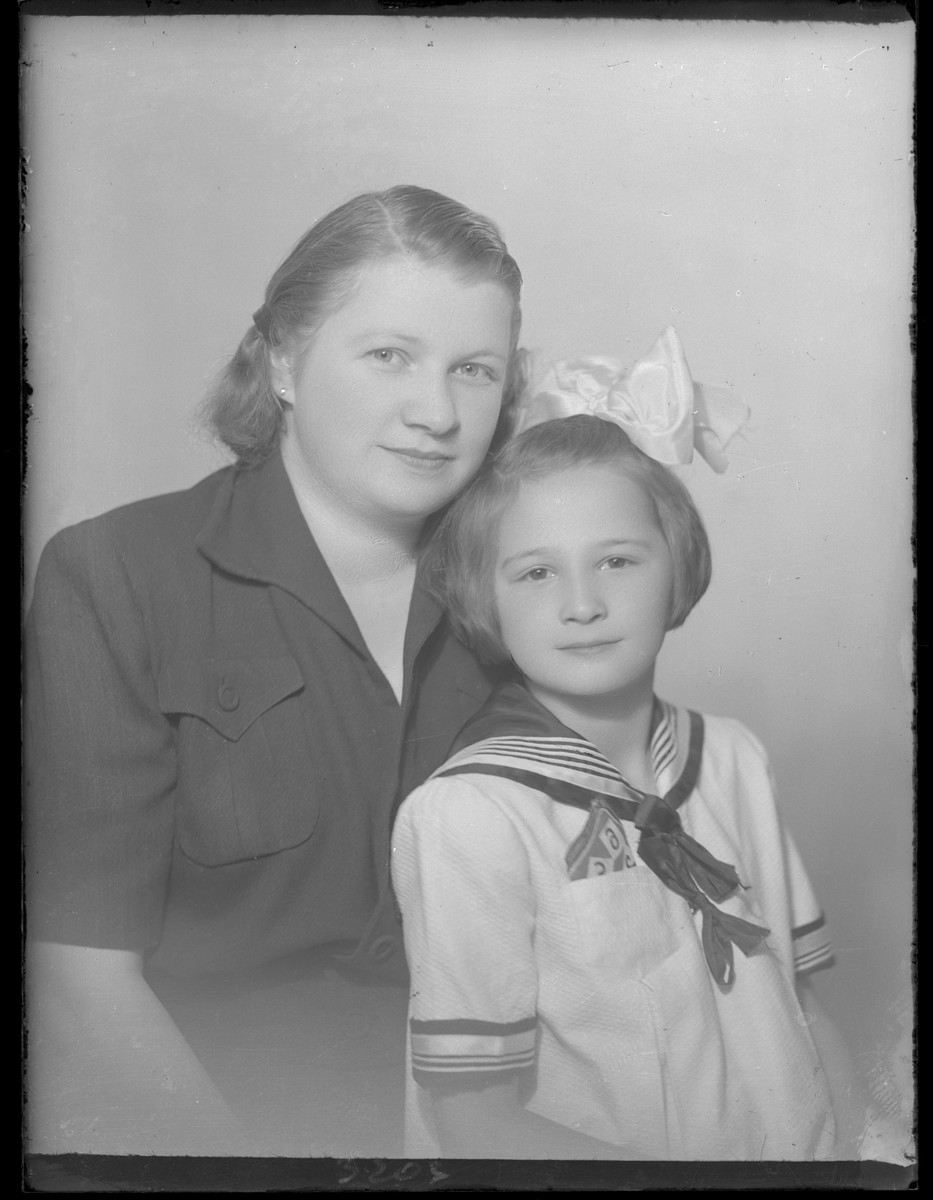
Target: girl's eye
<point x="386" y="356"/>
<point x="538" y="574"/>
<point x="616" y="562"/>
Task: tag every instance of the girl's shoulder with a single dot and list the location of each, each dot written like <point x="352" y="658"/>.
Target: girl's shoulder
<point x="478" y="809"/>
<point x="732" y="731"/>
<point x="724" y="739"/>
<point x="464" y="797"/>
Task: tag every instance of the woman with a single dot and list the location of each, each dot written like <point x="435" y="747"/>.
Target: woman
<point x="228" y="690"/>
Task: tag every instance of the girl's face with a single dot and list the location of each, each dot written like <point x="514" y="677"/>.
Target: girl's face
<point x="583" y="585"/>
<point x="398" y="396"/>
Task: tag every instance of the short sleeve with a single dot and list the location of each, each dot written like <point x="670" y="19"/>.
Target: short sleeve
<point x="461" y="875"/>
<point x="810" y="941"/>
<point x="810" y="945"/>
<point x="737" y="785"/>
<point x="99" y="764"/>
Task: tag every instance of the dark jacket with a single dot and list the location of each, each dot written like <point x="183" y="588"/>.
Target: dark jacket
<point x="213" y="757"/>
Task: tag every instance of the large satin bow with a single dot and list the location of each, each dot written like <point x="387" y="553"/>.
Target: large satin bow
<point x="655" y="401"/>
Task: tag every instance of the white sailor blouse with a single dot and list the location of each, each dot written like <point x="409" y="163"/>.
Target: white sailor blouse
<point x="571" y="930"/>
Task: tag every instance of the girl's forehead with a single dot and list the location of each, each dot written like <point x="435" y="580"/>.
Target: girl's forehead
<point x="578" y="503"/>
<point x="614" y="487"/>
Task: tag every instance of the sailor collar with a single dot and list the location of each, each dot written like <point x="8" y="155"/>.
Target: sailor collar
<point x="515" y="737"/>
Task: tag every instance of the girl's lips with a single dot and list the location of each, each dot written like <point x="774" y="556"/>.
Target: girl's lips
<point x="584" y="646"/>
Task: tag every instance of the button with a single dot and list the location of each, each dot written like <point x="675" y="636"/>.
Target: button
<point x="228" y="697"/>
<point x="383" y="947"/>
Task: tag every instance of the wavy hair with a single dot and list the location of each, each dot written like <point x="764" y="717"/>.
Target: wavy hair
<point x="320" y="274"/>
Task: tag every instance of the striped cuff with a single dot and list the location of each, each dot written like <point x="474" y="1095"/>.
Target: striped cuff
<point x="462" y="1049"/>
<point x="812" y="948"/>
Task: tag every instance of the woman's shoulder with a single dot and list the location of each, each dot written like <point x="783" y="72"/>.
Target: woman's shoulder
<point x="169" y="516"/>
<point x="149" y="542"/>
<point x="142" y="531"/>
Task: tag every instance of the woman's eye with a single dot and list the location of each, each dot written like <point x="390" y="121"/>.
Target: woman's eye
<point x="615" y="562"/>
<point x="385" y="355"/>
<point x="476" y="371"/>
<point x="537" y="574"/>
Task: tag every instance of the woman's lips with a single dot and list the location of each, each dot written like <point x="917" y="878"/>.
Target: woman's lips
<point x="422" y="460"/>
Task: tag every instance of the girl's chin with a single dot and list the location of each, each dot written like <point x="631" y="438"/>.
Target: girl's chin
<point x="620" y="695"/>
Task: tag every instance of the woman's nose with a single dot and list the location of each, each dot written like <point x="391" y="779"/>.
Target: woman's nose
<point x="430" y="404"/>
<point x="582" y="601"/>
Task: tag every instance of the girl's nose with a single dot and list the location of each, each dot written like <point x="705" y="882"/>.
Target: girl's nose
<point x="430" y="404"/>
<point x="582" y="602"/>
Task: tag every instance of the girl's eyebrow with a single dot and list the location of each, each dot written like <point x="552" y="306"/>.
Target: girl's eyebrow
<point x="533" y="552"/>
<point x="605" y="544"/>
<point x="638" y="543"/>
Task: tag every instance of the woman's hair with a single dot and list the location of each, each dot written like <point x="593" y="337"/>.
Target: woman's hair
<point x="459" y="561"/>
<point x="321" y="273"/>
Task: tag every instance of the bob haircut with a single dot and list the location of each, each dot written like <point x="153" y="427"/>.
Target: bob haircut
<point x="459" y="561"/>
<point x="320" y="274"/>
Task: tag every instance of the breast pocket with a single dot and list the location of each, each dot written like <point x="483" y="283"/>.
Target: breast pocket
<point x="627" y="921"/>
<point x="245" y="782"/>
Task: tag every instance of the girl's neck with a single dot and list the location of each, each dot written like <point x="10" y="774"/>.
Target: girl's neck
<point x="359" y="549"/>
<point x="619" y="726"/>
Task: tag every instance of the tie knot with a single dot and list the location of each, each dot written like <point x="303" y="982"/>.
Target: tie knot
<point x="657" y="815"/>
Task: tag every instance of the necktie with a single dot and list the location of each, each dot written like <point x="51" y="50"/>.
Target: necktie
<point x="688" y="869"/>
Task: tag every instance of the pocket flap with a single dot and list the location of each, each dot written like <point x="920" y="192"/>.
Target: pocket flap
<point x="229" y="694"/>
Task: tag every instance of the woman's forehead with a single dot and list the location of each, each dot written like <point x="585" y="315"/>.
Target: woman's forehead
<point x="414" y="298"/>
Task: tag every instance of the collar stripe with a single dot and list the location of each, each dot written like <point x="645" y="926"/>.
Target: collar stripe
<point x="577" y="766"/>
<point x="580" y="764"/>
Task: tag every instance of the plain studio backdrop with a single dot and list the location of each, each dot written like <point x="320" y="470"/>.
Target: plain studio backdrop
<point x="749" y="183"/>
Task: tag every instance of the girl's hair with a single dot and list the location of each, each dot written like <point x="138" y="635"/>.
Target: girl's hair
<point x="321" y="273"/>
<point x="459" y="562"/>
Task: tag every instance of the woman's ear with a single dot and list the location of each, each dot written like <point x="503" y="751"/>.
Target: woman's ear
<point x="283" y="377"/>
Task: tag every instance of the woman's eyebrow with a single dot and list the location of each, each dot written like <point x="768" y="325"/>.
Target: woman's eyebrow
<point x="385" y="334"/>
<point x="389" y="335"/>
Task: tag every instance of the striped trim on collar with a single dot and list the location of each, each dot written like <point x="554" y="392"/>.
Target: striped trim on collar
<point x="574" y="763"/>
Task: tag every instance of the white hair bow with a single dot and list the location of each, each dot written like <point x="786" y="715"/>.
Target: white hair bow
<point x="655" y="401"/>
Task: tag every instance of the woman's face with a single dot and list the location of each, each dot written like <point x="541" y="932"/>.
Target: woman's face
<point x="394" y="406"/>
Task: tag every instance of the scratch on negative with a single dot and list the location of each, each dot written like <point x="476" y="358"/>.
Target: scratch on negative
<point x="333" y="1046"/>
<point x="766" y="578"/>
<point x="767" y="467"/>
<point x="860" y="53"/>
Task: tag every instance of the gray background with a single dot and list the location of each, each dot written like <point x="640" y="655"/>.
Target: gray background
<point x="748" y="182"/>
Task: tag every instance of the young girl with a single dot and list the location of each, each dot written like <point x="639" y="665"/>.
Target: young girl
<point x="575" y="879"/>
